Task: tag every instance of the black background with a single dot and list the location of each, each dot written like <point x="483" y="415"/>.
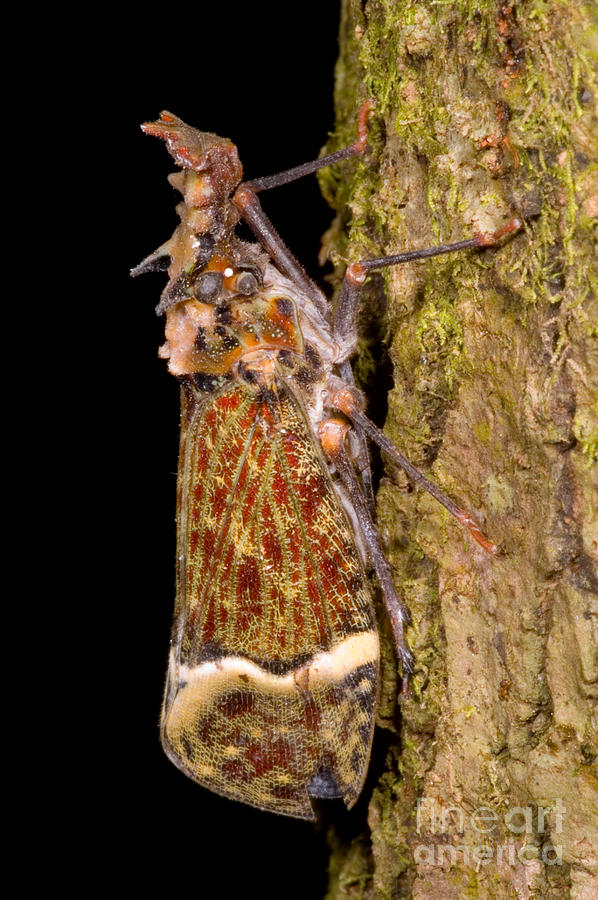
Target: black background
<point x="262" y="76"/>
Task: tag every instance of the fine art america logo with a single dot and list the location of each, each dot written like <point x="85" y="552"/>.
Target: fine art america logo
<point x="527" y="824"/>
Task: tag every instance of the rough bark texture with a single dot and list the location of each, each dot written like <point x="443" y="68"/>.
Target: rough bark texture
<point x="495" y="397"/>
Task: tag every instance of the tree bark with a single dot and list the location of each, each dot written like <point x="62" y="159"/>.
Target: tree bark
<point x="483" y="111"/>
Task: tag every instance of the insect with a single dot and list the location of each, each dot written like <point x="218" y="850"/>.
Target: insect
<point x="273" y="674"/>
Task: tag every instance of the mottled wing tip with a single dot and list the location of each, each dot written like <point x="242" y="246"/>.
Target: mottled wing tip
<point x="189" y="147"/>
<point x="324" y="785"/>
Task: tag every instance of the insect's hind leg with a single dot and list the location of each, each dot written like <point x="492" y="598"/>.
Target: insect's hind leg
<point x="346" y="399"/>
<point x="332" y="436"/>
<point x="362" y="457"/>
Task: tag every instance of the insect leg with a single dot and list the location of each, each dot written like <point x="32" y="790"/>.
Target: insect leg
<point x="250" y="208"/>
<point x="332" y="436"/>
<point x="346" y="400"/>
<point x="362" y="457"/>
<point x="280" y="178"/>
<point x="345" y="328"/>
<point x="246" y="201"/>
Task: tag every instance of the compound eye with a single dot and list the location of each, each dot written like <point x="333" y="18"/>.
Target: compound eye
<point x="208" y="286"/>
<point x="246" y="283"/>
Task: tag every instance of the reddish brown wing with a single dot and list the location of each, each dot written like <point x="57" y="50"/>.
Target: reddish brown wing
<point x="272" y="684"/>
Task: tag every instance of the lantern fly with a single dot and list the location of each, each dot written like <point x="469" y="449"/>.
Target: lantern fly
<point x="273" y="676"/>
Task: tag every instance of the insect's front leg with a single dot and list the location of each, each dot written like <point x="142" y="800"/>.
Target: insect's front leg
<point x="332" y="434"/>
<point x="246" y="201"/>
<point x="355" y="149"/>
<point x="250" y="208"/>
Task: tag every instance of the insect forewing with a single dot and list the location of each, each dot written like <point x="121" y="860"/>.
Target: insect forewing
<point x="273" y="674"/>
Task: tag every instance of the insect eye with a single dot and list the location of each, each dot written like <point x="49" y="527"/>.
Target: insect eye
<point x="208" y="286"/>
<point x="246" y="283"/>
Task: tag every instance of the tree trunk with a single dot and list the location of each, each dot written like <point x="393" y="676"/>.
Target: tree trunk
<point x="483" y="111"/>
